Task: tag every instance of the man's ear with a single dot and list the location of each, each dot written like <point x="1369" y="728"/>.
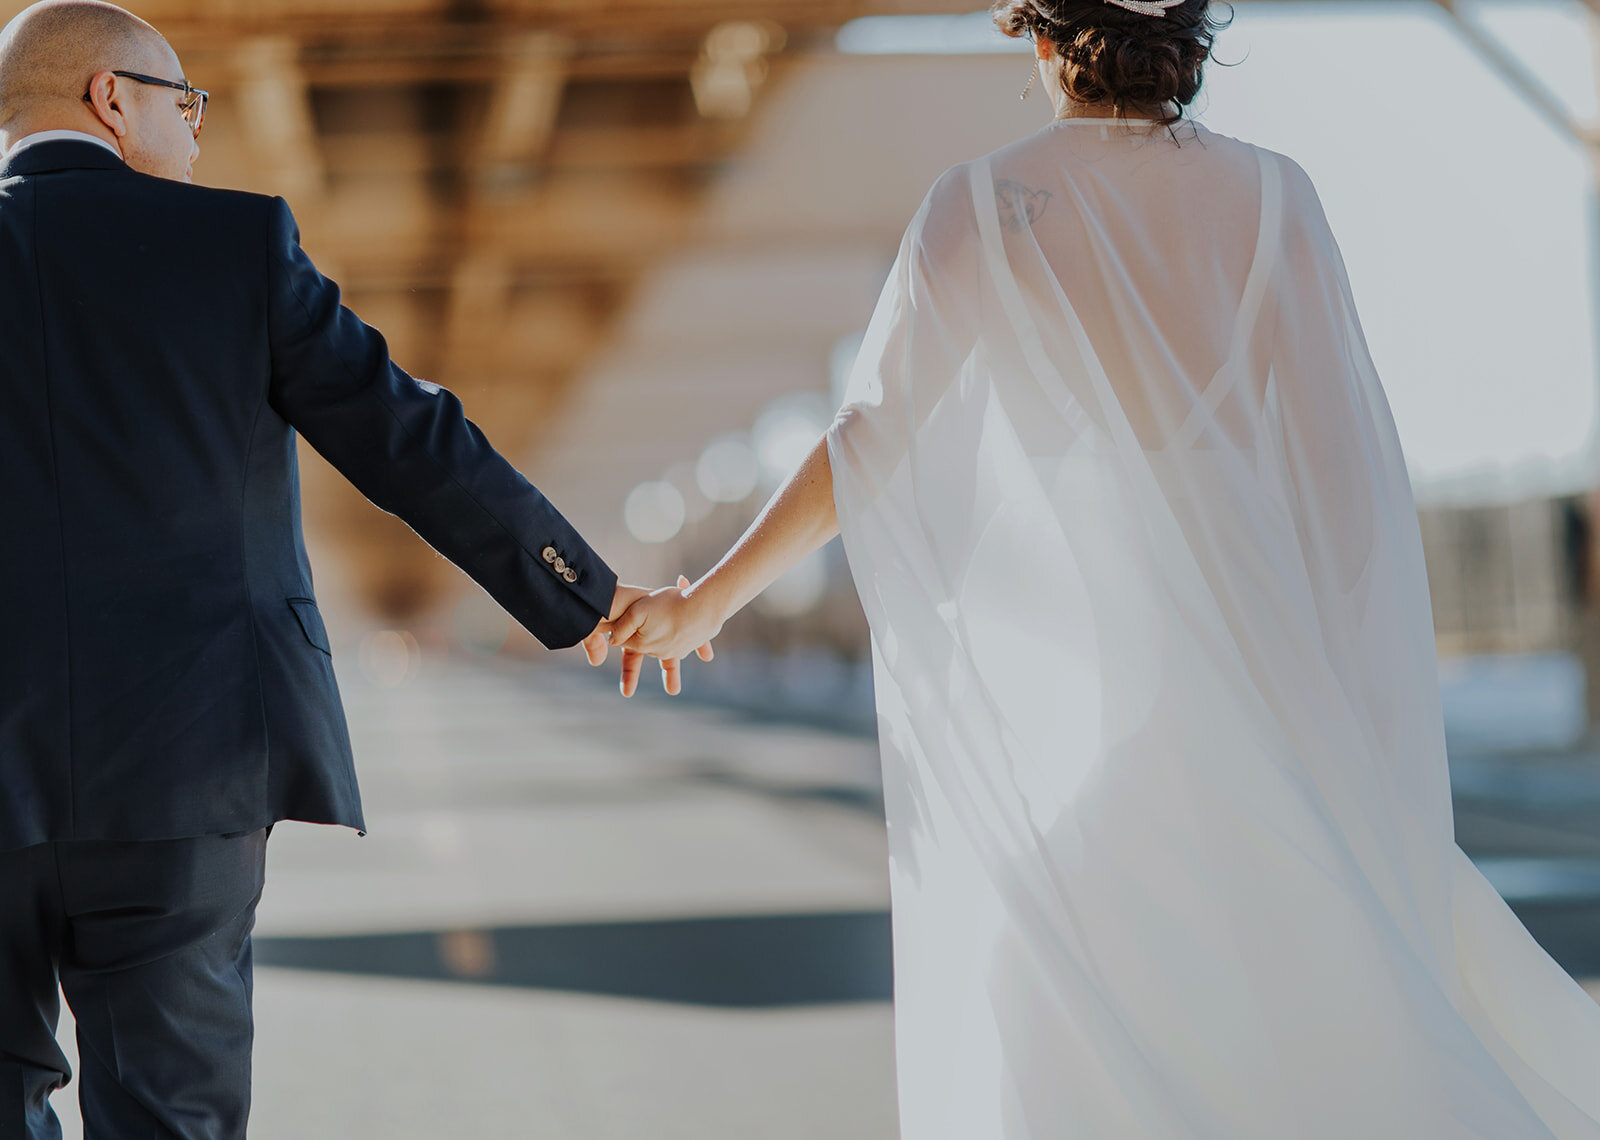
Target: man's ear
<point x="105" y="101"/>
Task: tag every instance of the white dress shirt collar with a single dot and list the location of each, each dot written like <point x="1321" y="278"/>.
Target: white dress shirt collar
<point x="52" y="136"/>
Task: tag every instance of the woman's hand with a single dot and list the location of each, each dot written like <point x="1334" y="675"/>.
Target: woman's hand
<point x="598" y="645"/>
<point x="669" y="623"/>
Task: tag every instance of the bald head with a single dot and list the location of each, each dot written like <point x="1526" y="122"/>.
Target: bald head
<point x="51" y="49"/>
<point x="58" y="65"/>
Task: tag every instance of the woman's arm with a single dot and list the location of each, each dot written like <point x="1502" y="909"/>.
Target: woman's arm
<point x="922" y="330"/>
<point x="797" y="520"/>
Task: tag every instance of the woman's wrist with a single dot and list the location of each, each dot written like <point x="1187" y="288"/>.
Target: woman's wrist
<point x="713" y="598"/>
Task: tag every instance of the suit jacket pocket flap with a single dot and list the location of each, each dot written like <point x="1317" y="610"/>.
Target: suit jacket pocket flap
<point x="305" y="611"/>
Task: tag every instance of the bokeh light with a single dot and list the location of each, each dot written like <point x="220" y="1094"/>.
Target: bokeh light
<point x="786" y="431"/>
<point x="728" y="470"/>
<point x="390" y="657"/>
<point x="696" y="507"/>
<point x="654" y="512"/>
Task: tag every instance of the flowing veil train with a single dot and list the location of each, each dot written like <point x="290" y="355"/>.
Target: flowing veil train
<point x="1172" y="852"/>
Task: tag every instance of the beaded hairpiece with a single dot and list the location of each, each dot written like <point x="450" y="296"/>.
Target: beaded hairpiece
<point x="1146" y="7"/>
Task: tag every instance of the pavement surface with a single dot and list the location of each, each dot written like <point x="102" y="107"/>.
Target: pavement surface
<point x="579" y="917"/>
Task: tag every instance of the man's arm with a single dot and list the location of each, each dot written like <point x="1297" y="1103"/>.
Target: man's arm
<point x="407" y="446"/>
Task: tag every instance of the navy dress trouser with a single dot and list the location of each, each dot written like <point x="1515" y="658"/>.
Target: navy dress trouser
<point x="150" y="943"/>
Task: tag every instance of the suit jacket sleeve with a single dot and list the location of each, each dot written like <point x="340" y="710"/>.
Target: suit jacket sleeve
<point x="407" y="445"/>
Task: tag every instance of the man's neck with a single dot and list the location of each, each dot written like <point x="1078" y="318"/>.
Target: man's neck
<point x="13" y="139"/>
<point x="21" y="127"/>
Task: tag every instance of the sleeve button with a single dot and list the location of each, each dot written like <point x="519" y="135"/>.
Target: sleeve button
<point x="549" y="554"/>
<point x="571" y="575"/>
<point x="561" y="566"/>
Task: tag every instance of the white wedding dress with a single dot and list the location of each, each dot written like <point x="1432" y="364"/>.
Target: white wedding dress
<point x="1169" y="815"/>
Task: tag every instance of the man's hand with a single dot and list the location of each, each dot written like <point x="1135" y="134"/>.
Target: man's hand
<point x="598" y="644"/>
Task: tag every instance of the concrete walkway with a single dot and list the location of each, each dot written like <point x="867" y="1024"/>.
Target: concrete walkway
<point x="579" y="917"/>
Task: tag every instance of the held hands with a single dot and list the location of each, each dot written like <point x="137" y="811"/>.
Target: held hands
<point x="598" y="644"/>
<point x="668" y="623"/>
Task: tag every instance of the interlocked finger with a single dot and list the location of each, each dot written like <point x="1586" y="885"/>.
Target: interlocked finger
<point x="624" y="628"/>
<point x="632" y="667"/>
<point x="598" y="644"/>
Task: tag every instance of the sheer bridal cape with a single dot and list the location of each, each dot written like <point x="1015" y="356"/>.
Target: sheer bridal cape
<point x="1169" y="815"/>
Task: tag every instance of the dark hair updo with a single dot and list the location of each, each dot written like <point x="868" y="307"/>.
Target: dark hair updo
<point x="1112" y="55"/>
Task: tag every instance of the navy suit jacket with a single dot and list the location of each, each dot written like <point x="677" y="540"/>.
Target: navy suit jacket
<point x="164" y="671"/>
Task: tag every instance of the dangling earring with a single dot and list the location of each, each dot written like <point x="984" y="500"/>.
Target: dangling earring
<point x="1031" y="77"/>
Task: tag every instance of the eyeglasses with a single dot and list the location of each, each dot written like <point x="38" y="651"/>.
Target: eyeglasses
<point x="193" y="107"/>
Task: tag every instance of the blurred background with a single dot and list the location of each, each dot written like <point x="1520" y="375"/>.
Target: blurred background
<point x="640" y="239"/>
